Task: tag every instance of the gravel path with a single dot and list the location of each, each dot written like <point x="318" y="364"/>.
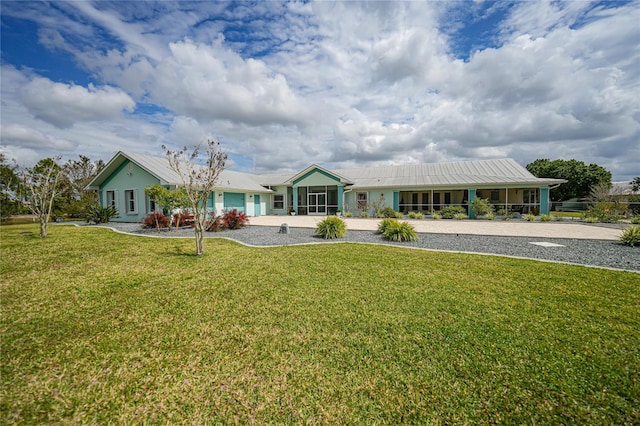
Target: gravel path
<point x="600" y="253"/>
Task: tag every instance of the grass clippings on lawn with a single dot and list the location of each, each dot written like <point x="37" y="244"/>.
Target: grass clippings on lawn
<point x="99" y="327"/>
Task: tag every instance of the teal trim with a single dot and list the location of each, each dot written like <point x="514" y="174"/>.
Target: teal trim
<point x="544" y="200"/>
<point x="114" y="174"/>
<point x="472" y="196"/>
<point x="316" y="170"/>
<point x="396" y="200"/>
<point x="340" y="196"/>
<point x="295" y="199"/>
<point x="256" y="205"/>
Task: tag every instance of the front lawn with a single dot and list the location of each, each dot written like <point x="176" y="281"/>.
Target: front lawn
<point x="104" y="328"/>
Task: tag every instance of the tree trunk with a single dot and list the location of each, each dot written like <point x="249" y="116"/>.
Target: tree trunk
<point x="199" y="239"/>
<point x="43" y="226"/>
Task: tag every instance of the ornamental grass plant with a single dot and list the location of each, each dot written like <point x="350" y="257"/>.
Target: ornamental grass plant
<point x="331" y="228"/>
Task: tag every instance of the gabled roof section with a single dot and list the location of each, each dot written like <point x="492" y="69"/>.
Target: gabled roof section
<point x="481" y="172"/>
<point x="315" y="167"/>
<point x="161" y="169"/>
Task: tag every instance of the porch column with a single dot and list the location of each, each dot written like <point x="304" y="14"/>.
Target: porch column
<point x="544" y="200"/>
<point x="472" y="196"/>
<point x="295" y="198"/>
<point x="396" y="200"/>
<point x="340" y="196"/>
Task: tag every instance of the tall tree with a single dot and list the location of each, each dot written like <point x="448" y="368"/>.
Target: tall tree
<point x="10" y="187"/>
<point x="579" y="176"/>
<point x="635" y="184"/>
<point x="77" y="175"/>
<point x="198" y="181"/>
<point x="42" y="184"/>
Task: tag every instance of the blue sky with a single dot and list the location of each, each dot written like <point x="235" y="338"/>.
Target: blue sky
<point x="342" y="84"/>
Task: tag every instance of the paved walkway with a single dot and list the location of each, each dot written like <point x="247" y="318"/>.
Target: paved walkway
<point x="513" y="228"/>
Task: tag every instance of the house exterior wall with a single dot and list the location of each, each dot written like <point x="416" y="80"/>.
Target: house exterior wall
<point x="269" y="201"/>
<point x="128" y="177"/>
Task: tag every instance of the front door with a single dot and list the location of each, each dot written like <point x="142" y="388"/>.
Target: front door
<point x="317" y="203"/>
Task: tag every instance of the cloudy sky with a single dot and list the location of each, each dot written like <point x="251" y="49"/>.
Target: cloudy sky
<point x="340" y="84"/>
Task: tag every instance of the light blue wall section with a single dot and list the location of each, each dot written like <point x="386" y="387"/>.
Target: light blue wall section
<point x="269" y="201"/>
<point x="396" y="200"/>
<point x="129" y="176"/>
<point x="472" y="196"/>
<point x="544" y="200"/>
<point x="316" y="177"/>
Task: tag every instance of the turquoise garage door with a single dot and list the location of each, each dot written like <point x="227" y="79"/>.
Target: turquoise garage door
<point x="234" y="200"/>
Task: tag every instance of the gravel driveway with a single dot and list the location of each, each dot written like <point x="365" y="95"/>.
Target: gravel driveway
<point x="600" y="253"/>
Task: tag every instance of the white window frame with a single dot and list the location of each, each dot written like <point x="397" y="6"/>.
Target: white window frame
<point x="275" y="202"/>
<point x="114" y="201"/>
<point x="362" y="204"/>
<point x="127" y="201"/>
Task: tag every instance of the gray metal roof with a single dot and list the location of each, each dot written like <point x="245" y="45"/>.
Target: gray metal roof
<point x="480" y="172"/>
<point x="160" y="168"/>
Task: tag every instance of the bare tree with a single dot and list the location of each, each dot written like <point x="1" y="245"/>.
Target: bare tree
<point x="42" y="186"/>
<point x="199" y="181"/>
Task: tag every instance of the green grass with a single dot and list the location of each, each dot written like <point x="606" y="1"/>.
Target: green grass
<point x="103" y="328"/>
<point x="578" y="215"/>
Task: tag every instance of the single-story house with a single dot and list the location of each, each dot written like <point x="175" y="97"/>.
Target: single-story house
<point x="319" y="191"/>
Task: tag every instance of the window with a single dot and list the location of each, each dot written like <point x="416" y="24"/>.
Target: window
<point x="278" y="201"/>
<point x="151" y="205"/>
<point x="362" y="200"/>
<point x="111" y="198"/>
<point x="130" y="201"/>
<point x="495" y="195"/>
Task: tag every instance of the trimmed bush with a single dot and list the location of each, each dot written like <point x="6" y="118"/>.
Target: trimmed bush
<point x="331" y="228"/>
<point x="384" y="224"/>
<point x="546" y="217"/>
<point x="416" y="215"/>
<point x="460" y="216"/>
<point x="364" y="215"/>
<point x="481" y="206"/>
<point x="98" y="214"/>
<point x="635" y="220"/>
<point x="631" y="236"/>
<point x="436" y="216"/>
<point x="348" y="214"/>
<point x="233" y="219"/>
<point x="490" y="216"/>
<point x="529" y="217"/>
<point x="156" y="220"/>
<point x="400" y="231"/>
<point x="387" y="212"/>
<point x="450" y="211"/>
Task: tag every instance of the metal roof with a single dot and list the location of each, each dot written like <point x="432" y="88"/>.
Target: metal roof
<point x="161" y="169"/>
<point x="480" y="172"/>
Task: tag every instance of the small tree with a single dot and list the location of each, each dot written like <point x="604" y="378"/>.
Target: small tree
<point x="78" y="174"/>
<point x="198" y="181"/>
<point x="167" y="199"/>
<point x="635" y="184"/>
<point x="481" y="206"/>
<point x="42" y="186"/>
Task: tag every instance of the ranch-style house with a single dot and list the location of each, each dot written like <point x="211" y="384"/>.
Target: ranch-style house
<point x="320" y="191"/>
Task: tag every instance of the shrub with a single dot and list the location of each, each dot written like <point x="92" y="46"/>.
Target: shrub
<point x="364" y="215"/>
<point x="156" y="220"/>
<point x="331" y="228"/>
<point x="481" y="206"/>
<point x="98" y="214"/>
<point x="400" y="231"/>
<point x="635" y="220"/>
<point x="450" y="211"/>
<point x="232" y="219"/>
<point x="490" y="216"/>
<point x="591" y="219"/>
<point x="387" y="212"/>
<point x="607" y="211"/>
<point x="546" y="217"/>
<point x="384" y="224"/>
<point x="529" y="217"/>
<point x="436" y="216"/>
<point x="416" y="215"/>
<point x="459" y="216"/>
<point x="631" y="236"/>
<point x="501" y="212"/>
<point x="348" y="214"/>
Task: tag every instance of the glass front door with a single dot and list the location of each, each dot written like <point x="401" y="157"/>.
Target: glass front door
<point x="317" y="203"/>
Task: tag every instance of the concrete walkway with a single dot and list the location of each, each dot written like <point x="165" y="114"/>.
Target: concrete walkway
<point x="514" y="228"/>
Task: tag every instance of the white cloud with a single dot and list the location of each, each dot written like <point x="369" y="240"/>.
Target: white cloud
<point x="65" y="104"/>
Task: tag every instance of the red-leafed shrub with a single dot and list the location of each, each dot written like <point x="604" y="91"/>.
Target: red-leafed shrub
<point x="232" y="219"/>
<point x="156" y="220"/>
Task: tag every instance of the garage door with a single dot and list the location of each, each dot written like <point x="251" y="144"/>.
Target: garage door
<point x="234" y="200"/>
